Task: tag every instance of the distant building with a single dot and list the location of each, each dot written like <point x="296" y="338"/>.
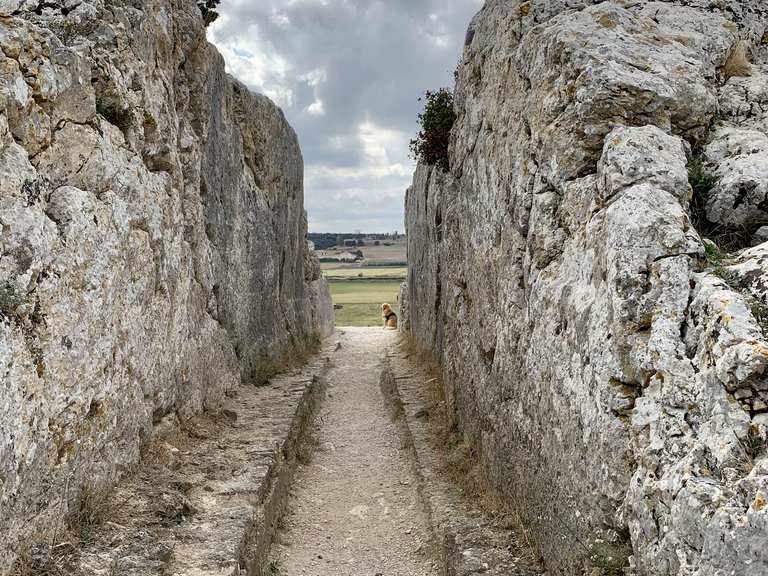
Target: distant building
<point x="347" y="257"/>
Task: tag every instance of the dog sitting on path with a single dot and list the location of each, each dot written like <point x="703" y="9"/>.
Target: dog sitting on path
<point x="390" y="318"/>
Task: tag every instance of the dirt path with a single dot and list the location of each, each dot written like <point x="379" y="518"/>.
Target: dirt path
<point x="354" y="509"/>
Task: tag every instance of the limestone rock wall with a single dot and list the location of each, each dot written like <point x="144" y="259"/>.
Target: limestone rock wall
<point x="610" y="367"/>
<point x="152" y="243"/>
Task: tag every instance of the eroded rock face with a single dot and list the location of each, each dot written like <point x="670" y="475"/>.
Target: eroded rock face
<point x="737" y="154"/>
<point x="614" y="382"/>
<point x="152" y="242"/>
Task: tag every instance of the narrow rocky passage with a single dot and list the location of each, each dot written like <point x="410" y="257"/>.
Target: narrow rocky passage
<point x="355" y="509"/>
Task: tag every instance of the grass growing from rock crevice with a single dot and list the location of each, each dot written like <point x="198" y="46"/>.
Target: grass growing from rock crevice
<point x="90" y="512"/>
<point x="39" y="562"/>
<point x="114" y="114"/>
<point x="274" y="567"/>
<point x="714" y="255"/>
<point x="755" y="445"/>
<point x="702" y="182"/>
<point x="729" y="238"/>
<point x="609" y="558"/>
<point x="760" y="312"/>
<point x="86" y="515"/>
<point x="731" y="278"/>
<point x="460" y="456"/>
<point x="737" y="63"/>
<point x="297" y="355"/>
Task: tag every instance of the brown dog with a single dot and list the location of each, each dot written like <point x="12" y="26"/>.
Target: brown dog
<point x="390" y="318"/>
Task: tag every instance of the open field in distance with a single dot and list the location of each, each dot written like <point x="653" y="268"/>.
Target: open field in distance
<point x="361" y="300"/>
<point x="392" y="255"/>
<point x="349" y="273"/>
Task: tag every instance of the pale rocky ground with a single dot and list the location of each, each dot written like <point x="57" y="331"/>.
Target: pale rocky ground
<point x="355" y="508"/>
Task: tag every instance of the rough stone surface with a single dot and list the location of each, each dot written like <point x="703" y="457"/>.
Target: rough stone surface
<point x="321" y="303"/>
<point x="588" y="348"/>
<point x="403" y="324"/>
<point x="737" y="154"/>
<point x="152" y="243"/>
<point x="751" y="266"/>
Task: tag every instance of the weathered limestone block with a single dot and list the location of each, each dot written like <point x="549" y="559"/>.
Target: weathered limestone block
<point x="152" y="243"/>
<point x="611" y="381"/>
<point x="425" y="223"/>
<point x="743" y="99"/>
<point x="751" y="266"/>
<point x="404" y="321"/>
<point x="664" y="166"/>
<point x="321" y="302"/>
<point x="737" y="155"/>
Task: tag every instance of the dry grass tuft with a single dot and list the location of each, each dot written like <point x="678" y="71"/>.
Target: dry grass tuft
<point x="460" y="456"/>
<point x="737" y="64"/>
<point x="91" y="512"/>
<point x="298" y="354"/>
<point x="423" y="357"/>
<point x="26" y="565"/>
<point x="43" y="560"/>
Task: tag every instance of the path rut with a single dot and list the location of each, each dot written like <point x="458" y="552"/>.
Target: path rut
<point x="355" y="508"/>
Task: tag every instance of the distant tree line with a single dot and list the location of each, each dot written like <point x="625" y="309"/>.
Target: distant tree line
<point x="325" y="240"/>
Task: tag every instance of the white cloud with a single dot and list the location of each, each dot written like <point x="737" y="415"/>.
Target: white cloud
<point x="323" y="173"/>
<point x="315" y="79"/>
<point x="348" y="74"/>
<point x="281" y="20"/>
<point x="381" y="144"/>
<point x="255" y="61"/>
<point x="316" y="108"/>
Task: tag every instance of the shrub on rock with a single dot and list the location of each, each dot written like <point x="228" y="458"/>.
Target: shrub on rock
<point x="431" y="144"/>
<point x="208" y="9"/>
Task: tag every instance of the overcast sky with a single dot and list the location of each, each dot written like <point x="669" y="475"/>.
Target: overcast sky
<point x="348" y="74"/>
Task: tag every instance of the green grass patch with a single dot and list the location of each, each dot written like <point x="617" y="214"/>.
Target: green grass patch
<point x="359" y="315"/>
<point x="610" y="559"/>
<point x="361" y="300"/>
<point x="115" y="114"/>
<point x="715" y="256"/>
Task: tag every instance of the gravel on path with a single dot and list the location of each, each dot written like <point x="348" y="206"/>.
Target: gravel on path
<point x="354" y="509"/>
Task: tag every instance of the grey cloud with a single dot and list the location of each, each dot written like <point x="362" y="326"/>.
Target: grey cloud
<point x="366" y="62"/>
